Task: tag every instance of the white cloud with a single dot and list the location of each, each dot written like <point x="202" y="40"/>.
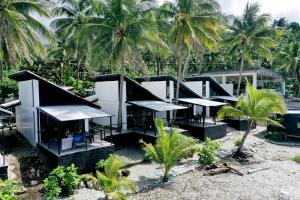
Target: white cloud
<point x="276" y="8"/>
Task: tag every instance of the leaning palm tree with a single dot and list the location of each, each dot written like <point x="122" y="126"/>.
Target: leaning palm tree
<point x="256" y="106"/>
<point x="169" y="148"/>
<point x="118" y="33"/>
<point x="194" y="24"/>
<point x="20" y="32"/>
<point x="113" y="185"/>
<point x="250" y="35"/>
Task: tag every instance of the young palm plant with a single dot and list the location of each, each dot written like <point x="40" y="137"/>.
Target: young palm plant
<point x="113" y="185"/>
<point x="256" y="106"/>
<point x="169" y="148"/>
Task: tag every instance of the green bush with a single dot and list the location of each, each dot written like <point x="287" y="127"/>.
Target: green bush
<point x="100" y="165"/>
<point x="207" y="152"/>
<point x="238" y="141"/>
<point x="296" y="159"/>
<point x="275" y="135"/>
<point x="8" y="189"/>
<point x="62" y="181"/>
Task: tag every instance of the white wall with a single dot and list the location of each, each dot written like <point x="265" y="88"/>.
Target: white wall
<point x="195" y="86"/>
<point x="157" y="88"/>
<point x="26" y="113"/>
<point x="228" y="88"/>
<point x="108" y="99"/>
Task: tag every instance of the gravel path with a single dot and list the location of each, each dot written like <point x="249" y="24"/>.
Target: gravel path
<point x="280" y="182"/>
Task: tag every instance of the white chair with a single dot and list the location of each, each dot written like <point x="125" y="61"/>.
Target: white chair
<point x="66" y="143"/>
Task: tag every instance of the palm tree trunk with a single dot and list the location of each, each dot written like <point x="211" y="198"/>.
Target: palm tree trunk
<point x="158" y="67"/>
<point x="166" y="174"/>
<point x="1" y="71"/>
<point x="182" y="67"/>
<point x="121" y="91"/>
<point x="298" y="79"/>
<point x="240" y="147"/>
<point x="241" y="70"/>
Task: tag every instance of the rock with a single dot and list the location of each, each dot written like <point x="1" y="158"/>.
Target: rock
<point x="284" y="195"/>
<point x="90" y="185"/>
<point x="81" y="184"/>
<point x="33" y="183"/>
<point x="125" y="172"/>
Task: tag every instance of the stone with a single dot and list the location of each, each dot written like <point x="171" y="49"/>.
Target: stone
<point x="33" y="183"/>
<point x="284" y="195"/>
<point x="90" y="185"/>
<point x="81" y="184"/>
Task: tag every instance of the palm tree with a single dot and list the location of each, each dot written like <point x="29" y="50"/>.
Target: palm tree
<point x="169" y="148"/>
<point x="118" y="33"/>
<point x="289" y="59"/>
<point x="70" y="28"/>
<point x="20" y="33"/>
<point x="256" y="106"/>
<point x="110" y="181"/>
<point x="251" y="35"/>
<point x="194" y="25"/>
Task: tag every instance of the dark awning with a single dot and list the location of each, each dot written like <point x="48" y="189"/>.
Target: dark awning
<point x="201" y="102"/>
<point x="158" y="106"/>
<point x="73" y="112"/>
<point x="227" y="98"/>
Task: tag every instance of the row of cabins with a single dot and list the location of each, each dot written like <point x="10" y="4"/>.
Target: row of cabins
<point x="70" y="129"/>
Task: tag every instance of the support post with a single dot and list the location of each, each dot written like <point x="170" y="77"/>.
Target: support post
<point x="110" y="128"/>
<point x="154" y="116"/>
<point x="58" y="139"/>
<point x="254" y="81"/>
<point x="207" y="91"/>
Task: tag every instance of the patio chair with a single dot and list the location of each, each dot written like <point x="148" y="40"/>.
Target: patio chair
<point x="78" y="141"/>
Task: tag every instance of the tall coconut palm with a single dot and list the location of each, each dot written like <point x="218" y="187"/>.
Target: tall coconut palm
<point x="256" y="106"/>
<point x="20" y="32"/>
<point x="251" y="35"/>
<point x="118" y="33"/>
<point x="194" y="25"/>
<point x="69" y="25"/>
<point x="289" y="59"/>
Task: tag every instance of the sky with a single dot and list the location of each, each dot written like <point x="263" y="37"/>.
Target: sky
<point x="276" y="8"/>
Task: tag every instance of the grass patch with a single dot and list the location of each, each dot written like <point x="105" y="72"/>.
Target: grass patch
<point x="296" y="159"/>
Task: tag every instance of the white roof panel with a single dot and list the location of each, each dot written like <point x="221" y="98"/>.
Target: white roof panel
<point x="228" y="98"/>
<point x="158" y="106"/>
<point x="73" y="112"/>
<point x="202" y="102"/>
<point x="4" y="112"/>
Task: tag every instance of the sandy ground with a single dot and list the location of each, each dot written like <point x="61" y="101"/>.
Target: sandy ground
<point x="280" y="182"/>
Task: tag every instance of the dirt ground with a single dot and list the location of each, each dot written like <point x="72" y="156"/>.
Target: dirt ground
<point x="281" y="181"/>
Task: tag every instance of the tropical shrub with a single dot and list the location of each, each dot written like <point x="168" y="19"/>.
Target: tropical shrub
<point x="275" y="135"/>
<point x="8" y="189"/>
<point x="296" y="159"/>
<point x="207" y="152"/>
<point x="100" y="165"/>
<point x="113" y="184"/>
<point x="169" y="148"/>
<point x="62" y="181"/>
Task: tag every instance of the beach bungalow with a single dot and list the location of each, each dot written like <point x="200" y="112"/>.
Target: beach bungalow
<point x="57" y="122"/>
<point x="140" y="107"/>
<point x="209" y="88"/>
<point x="261" y="78"/>
<point x="196" y="119"/>
<point x="291" y="120"/>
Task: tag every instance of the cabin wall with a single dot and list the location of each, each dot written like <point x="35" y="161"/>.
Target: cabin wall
<point x="108" y="98"/>
<point x="228" y="87"/>
<point x="26" y="113"/>
<point x="160" y="89"/>
<point x="196" y="86"/>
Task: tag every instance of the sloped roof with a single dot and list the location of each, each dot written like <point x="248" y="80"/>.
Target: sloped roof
<point x="215" y="86"/>
<point x="28" y="75"/>
<point x="134" y="90"/>
<point x="183" y="87"/>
